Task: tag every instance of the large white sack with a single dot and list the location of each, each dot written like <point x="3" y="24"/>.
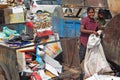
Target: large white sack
<point x="95" y="61"/>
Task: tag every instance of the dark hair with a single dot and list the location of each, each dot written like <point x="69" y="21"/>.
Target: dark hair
<point x="89" y="8"/>
<point x="101" y="11"/>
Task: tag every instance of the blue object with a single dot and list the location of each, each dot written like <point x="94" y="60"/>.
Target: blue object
<point x="65" y="27"/>
<point x="19" y="28"/>
<point x="59" y="2"/>
<point x="38" y="57"/>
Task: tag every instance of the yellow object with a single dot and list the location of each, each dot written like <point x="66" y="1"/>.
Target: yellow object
<point x="49" y="74"/>
<point x="17" y="18"/>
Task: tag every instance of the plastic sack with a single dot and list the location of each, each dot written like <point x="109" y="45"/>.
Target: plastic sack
<point x="93" y="41"/>
<point x="95" y="61"/>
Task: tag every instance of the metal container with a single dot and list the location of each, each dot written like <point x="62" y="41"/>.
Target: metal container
<point x="68" y="26"/>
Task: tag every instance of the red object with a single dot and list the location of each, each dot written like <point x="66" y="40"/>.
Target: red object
<point x="27" y="56"/>
<point x="30" y="24"/>
<point x="35" y="76"/>
<point x="44" y="33"/>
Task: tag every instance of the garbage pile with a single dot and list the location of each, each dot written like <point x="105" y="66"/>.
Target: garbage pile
<point x="38" y="61"/>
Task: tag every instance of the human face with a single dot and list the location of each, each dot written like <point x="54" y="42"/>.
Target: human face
<point x="91" y="13"/>
<point x="100" y="15"/>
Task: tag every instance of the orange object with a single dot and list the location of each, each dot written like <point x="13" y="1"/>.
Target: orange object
<point x="44" y="33"/>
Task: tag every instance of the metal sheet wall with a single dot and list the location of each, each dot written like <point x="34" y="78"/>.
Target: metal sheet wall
<point x="70" y="52"/>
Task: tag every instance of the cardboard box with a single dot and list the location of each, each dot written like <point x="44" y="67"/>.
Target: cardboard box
<point x="17" y="18"/>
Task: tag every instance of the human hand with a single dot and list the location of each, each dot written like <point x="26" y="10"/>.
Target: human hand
<point x="94" y="32"/>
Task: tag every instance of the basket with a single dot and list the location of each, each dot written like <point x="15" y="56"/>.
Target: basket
<point x="2" y="6"/>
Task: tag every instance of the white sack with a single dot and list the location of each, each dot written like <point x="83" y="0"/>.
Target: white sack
<point x="95" y="61"/>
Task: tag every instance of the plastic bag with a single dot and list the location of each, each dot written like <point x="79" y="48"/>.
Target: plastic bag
<point x="8" y="31"/>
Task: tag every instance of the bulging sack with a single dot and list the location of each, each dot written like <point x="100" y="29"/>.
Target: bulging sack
<point x="95" y="61"/>
<point x="93" y="41"/>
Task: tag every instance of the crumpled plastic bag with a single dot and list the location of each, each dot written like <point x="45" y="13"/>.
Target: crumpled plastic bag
<point x="9" y="32"/>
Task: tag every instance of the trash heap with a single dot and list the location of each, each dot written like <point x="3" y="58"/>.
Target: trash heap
<point x="38" y="61"/>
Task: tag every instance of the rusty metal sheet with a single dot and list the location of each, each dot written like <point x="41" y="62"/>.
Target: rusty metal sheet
<point x="8" y="58"/>
<point x="70" y="52"/>
<point x="111" y="41"/>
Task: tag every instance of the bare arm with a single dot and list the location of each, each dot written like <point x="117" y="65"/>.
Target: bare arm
<point x="83" y="30"/>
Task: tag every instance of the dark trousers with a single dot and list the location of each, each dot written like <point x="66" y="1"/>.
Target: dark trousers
<point x="82" y="52"/>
